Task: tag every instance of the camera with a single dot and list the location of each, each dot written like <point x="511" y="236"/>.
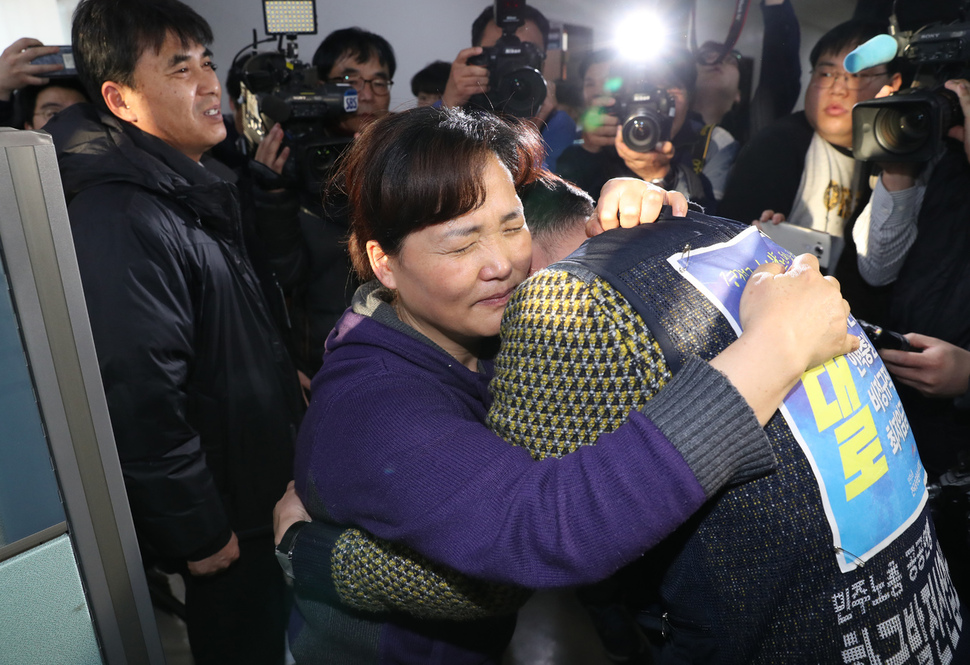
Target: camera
<point x="277" y="88"/>
<point x="646" y="115"/>
<point x="905" y="127"/>
<point x="885" y="339"/>
<point x="515" y="82"/>
<point x="910" y="125"/>
<point x="643" y="107"/>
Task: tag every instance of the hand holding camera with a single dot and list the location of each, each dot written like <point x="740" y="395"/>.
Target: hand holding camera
<point x="961" y="88"/>
<point x="465" y="79"/>
<point x="17" y="68"/>
<point x="599" y="125"/>
<point x="652" y="166"/>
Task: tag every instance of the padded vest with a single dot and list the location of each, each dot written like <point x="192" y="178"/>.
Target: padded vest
<point x="765" y="573"/>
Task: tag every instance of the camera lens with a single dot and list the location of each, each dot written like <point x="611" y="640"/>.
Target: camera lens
<point x="520" y="93"/>
<point x="321" y="159"/>
<point x="642" y="131"/>
<point x="902" y="130"/>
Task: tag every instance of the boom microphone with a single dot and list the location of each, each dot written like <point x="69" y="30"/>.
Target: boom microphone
<point x="876" y="51"/>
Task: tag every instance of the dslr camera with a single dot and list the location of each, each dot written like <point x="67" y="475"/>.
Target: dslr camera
<point x="644" y="109"/>
<point x="515" y="83"/>
<point x="909" y="126"/>
<point x="277" y="88"/>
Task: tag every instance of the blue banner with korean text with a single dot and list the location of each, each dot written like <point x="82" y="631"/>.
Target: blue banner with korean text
<point x="845" y="414"/>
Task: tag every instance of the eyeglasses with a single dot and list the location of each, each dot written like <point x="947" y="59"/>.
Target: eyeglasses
<point x="825" y="77"/>
<point x="713" y="57"/>
<point x="381" y="87"/>
<point x="48" y="112"/>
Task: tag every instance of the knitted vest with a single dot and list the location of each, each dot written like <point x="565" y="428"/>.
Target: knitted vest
<point x="801" y="565"/>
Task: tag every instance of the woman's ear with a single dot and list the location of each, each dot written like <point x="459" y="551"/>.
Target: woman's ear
<point x="381" y="264"/>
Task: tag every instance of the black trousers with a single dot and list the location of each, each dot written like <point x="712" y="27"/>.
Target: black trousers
<point x="240" y="614"/>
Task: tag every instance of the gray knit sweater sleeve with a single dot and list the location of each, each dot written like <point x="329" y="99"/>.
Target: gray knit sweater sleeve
<point x="711" y="425"/>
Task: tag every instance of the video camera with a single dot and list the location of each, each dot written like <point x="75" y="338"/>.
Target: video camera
<point x="910" y="125"/>
<point x="515" y="82"/>
<point x="277" y="88"/>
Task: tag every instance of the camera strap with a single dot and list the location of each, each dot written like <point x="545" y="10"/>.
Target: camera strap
<point x="699" y="149"/>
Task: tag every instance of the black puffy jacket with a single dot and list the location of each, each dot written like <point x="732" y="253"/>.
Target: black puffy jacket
<point x="203" y="398"/>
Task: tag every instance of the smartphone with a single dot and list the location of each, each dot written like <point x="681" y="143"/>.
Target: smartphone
<point x="64" y="56"/>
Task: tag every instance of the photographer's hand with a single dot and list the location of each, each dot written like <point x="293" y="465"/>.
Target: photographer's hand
<point x="599" y="126"/>
<point x="653" y="165"/>
<point x="16" y="70"/>
<point x="962" y="89"/>
<point x="464" y="80"/>
<point x="269" y="154"/>
<point x="940" y="369"/>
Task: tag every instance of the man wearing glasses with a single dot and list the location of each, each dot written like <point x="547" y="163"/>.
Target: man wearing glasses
<point x="365" y="61"/>
<point x="802" y="166"/>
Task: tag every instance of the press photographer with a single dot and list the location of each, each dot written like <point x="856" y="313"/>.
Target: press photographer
<point x="502" y="72"/>
<point x="914" y="237"/>
<point x="640" y="127"/>
<point x="304" y="233"/>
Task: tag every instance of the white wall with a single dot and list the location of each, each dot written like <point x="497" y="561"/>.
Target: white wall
<point x="425" y="30"/>
<point x="421" y="30"/>
<point x="46" y="20"/>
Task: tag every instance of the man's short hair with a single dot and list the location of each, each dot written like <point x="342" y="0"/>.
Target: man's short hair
<point x="554" y="206"/>
<point x="846" y="36"/>
<point x="529" y="13"/>
<point x="359" y="44"/>
<point x="108" y="37"/>
<point x="432" y="79"/>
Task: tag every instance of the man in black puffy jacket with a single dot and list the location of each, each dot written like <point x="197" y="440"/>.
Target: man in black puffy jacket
<point x="204" y="401"/>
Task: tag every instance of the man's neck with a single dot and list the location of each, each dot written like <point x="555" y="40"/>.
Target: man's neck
<point x="712" y="107"/>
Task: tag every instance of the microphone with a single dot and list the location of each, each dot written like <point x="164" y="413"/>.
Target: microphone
<point x="876" y="51"/>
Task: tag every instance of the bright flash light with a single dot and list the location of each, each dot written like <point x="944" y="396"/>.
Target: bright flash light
<point x="640" y="36"/>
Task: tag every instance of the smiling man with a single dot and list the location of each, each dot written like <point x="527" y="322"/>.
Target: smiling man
<point x="204" y="402"/>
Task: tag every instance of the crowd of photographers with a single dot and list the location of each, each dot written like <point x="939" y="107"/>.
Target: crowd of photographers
<point x="688" y="122"/>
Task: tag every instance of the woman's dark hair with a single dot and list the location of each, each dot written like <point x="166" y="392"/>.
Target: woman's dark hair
<point x="108" y="37"/>
<point x="356" y="43"/>
<point x="425" y="166"/>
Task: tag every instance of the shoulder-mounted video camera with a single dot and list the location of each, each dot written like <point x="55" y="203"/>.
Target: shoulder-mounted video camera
<point x="909" y="125"/>
<point x="515" y="82"/>
<point x="276" y="87"/>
